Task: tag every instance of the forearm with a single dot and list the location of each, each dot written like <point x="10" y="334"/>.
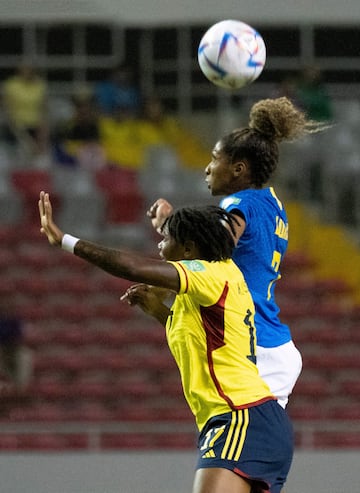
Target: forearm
<point x="116" y="262"/>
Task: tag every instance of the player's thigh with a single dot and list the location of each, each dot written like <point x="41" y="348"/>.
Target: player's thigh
<point x="218" y="480"/>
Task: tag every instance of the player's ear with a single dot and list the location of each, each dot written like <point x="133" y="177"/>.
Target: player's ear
<point x="190" y="250"/>
<point x="240" y="167"/>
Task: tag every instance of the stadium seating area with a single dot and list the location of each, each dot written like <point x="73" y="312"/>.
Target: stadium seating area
<point x="103" y="377"/>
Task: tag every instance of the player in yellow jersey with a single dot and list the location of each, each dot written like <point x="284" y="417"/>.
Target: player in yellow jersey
<point x="245" y="441"/>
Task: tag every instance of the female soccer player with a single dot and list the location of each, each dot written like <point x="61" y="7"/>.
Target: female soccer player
<point x="245" y="437"/>
<point x="242" y="163"/>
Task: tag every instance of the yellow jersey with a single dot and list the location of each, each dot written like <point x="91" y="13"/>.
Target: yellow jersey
<point x="212" y="338"/>
<point x="25" y="101"/>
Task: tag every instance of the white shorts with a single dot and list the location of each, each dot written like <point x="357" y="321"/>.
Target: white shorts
<point x="280" y="367"/>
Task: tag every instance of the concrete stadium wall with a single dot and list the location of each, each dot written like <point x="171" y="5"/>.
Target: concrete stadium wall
<point x="160" y="12"/>
<point x="158" y="472"/>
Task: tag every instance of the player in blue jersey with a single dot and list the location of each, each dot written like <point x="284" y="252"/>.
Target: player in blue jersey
<point x="245" y="437"/>
<point x="241" y="165"/>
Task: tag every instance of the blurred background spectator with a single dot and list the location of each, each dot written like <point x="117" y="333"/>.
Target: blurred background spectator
<point x="118" y="92"/>
<point x="15" y="357"/>
<point x="159" y="127"/>
<point x="120" y="138"/>
<point x="24" y="98"/>
<point x="76" y="141"/>
<point x="313" y="97"/>
<point x="312" y="94"/>
<point x="127" y="138"/>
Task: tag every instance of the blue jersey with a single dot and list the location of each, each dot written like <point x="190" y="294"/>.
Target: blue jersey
<point x="258" y="254"/>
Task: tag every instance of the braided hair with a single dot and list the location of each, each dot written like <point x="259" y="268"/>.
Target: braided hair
<point x="209" y="227"/>
<point x="271" y="121"/>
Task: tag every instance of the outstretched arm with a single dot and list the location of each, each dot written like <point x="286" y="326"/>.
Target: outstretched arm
<point x="118" y="262"/>
<point x="158" y="212"/>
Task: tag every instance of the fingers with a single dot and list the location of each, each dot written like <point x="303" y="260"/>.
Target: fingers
<point x="160" y="202"/>
<point x="53" y="233"/>
<point x="42" y="212"/>
<point x="130" y="298"/>
<point x="152" y="210"/>
<point x="135" y="293"/>
<point x="41" y="204"/>
<point x="44" y="204"/>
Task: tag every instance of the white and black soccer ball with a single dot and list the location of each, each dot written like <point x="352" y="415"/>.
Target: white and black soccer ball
<point x="231" y="54"/>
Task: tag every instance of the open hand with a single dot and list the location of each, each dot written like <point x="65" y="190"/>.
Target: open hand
<point x="48" y="227"/>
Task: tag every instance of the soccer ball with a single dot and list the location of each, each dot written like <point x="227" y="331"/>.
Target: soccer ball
<point x="231" y="54"/>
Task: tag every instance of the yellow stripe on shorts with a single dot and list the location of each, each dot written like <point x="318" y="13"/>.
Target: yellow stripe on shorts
<point x="236" y="436"/>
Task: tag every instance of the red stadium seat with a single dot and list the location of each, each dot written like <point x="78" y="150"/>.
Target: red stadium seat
<point x="9" y="236"/>
<point x="346" y="412"/>
<point x="77" y="285"/>
<point x="33" y="312"/>
<point x="125" y="201"/>
<point x="336" y="440"/>
<point x="74" y="361"/>
<point x="118" y="441"/>
<point x="148" y="441"/>
<point x="8" y="285"/>
<point x="51" y="441"/>
<point x="9" y="441"/>
<point x="91" y="411"/>
<point x="312" y="387"/>
<point x="352" y="387"/>
<point x="70" y="311"/>
<point x="111" y="283"/>
<point x="305" y="412"/>
<point x="117" y="311"/>
<point x="296" y="261"/>
<point x="35" y="259"/>
<point x="29" y="182"/>
<point x="40" y="412"/>
<point x="331" y="361"/>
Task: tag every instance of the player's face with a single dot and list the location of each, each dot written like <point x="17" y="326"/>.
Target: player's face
<point x="169" y="248"/>
<point x="219" y="173"/>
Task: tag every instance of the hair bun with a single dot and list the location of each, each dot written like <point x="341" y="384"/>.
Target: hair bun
<point x="263" y="125"/>
<point x="277" y="119"/>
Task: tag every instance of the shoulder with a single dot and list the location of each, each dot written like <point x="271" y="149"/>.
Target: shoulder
<point x="191" y="265"/>
<point x="251" y="196"/>
<point x="244" y="201"/>
<point x="200" y="269"/>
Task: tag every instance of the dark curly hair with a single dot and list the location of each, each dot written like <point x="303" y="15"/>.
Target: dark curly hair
<point x="210" y="227"/>
<point x="270" y="122"/>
